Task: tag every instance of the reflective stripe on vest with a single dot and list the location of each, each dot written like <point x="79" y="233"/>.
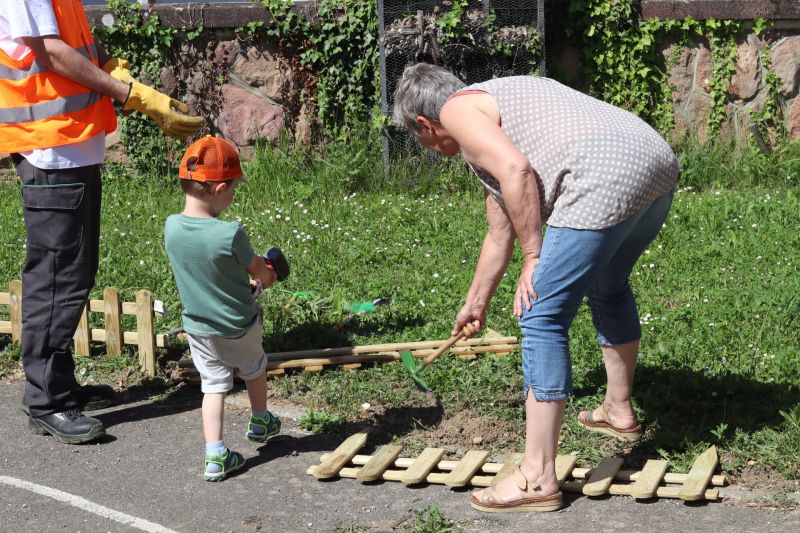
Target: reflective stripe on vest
<point x="51" y="108"/>
<point x="40" y="108"/>
<point x="16" y="74"/>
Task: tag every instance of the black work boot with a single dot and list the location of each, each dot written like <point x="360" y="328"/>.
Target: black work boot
<point x="89" y="398"/>
<point x="69" y="427"/>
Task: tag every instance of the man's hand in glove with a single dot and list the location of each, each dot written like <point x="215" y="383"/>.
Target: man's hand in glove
<point x="167" y="112"/>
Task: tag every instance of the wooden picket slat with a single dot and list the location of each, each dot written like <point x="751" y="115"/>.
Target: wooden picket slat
<point x="351" y="366"/>
<point x="603" y="476"/>
<point x="144" y="330"/>
<point x="418" y="471"/>
<point x="511" y="462"/>
<point x="564" y="466"/>
<point x="469" y="464"/>
<point x="83" y="335"/>
<point x="699" y="475"/>
<point x="340" y="456"/>
<point x="112" y="309"/>
<point x="379" y="463"/>
<point x="15" y="295"/>
<point x="649" y="479"/>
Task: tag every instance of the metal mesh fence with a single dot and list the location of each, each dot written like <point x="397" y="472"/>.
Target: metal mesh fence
<point x="475" y="39"/>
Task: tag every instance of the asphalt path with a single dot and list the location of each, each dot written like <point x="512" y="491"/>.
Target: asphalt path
<point x="147" y="476"/>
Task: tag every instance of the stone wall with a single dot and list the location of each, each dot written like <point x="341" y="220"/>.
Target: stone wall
<point x="248" y="90"/>
<point x="747" y="92"/>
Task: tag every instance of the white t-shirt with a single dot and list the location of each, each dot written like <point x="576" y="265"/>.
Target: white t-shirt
<point x="35" y="18"/>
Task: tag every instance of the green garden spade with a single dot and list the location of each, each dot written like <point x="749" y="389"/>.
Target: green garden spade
<point x="414" y="368"/>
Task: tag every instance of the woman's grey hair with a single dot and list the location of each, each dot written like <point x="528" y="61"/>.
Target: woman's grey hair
<point x="422" y="91"/>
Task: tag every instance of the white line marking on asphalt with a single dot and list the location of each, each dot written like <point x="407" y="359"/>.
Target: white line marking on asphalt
<point x="86" y="505"/>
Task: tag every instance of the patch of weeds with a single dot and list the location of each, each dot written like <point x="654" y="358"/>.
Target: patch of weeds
<point x="431" y="520"/>
<point x="10" y="359"/>
<point x="319" y="421"/>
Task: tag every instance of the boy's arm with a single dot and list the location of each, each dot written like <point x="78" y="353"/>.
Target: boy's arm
<point x="258" y="269"/>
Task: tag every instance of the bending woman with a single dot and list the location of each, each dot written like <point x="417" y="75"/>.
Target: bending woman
<point x="602" y="181"/>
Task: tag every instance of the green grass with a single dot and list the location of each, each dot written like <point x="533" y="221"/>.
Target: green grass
<point x="718" y="291"/>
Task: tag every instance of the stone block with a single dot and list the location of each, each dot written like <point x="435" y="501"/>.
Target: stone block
<point x="703" y="66"/>
<point x="681" y="74"/>
<point x="786" y="64"/>
<point x="226" y="52"/>
<point x="746" y="79"/>
<point x="261" y="68"/>
<point x="245" y="117"/>
<point x="793" y="119"/>
<point x="697" y="111"/>
<point x="169" y="81"/>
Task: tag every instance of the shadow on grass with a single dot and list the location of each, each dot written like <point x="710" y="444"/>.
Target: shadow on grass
<point x="683" y="408"/>
<point x="382" y="429"/>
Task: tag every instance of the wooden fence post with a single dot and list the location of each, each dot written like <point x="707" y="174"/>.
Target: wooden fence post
<point x="146" y="337"/>
<point x="112" y="309"/>
<point x="15" y="295"/>
<point x="83" y="335"/>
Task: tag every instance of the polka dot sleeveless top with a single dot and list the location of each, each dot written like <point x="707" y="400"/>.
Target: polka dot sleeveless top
<point x="596" y="164"/>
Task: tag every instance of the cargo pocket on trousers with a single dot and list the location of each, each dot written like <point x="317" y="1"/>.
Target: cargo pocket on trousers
<point x="52" y="218"/>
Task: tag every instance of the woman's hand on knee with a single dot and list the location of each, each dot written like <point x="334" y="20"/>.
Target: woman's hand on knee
<point x="525" y="292"/>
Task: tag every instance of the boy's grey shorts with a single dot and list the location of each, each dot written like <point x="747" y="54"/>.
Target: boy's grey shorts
<point x="219" y="358"/>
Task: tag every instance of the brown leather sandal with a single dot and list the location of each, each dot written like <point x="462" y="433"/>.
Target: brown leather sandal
<point x="603" y="425"/>
<point x="490" y="501"/>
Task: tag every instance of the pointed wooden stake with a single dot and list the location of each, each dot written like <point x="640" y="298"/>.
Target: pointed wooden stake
<point x="702" y="470"/>
<point x="649" y="479"/>
<point x="340" y="456"/>
<point x="602" y="477"/>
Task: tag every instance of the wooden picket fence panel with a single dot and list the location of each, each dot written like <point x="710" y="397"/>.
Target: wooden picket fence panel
<point x="473" y="470"/>
<point x="111" y="334"/>
<point x="352" y="357"/>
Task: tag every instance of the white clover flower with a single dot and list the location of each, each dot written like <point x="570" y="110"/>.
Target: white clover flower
<point x="422" y="303"/>
<point x="141" y="262"/>
<point x="435" y="274"/>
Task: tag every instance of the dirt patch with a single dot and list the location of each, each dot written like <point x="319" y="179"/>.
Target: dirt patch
<point x="466" y="430"/>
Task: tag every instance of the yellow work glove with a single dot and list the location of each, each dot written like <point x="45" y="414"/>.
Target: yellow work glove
<point x="167" y="112"/>
<point x="119" y="69"/>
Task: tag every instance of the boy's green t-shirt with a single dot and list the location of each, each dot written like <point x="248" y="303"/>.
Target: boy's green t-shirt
<point x="209" y="259"/>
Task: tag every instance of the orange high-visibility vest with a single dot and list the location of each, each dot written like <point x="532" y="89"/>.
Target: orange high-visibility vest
<point x="42" y="109"/>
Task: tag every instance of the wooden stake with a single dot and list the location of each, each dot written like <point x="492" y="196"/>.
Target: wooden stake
<point x="700" y="474"/>
<point x="419" y="468"/>
<point x="603" y="476"/>
<point x="649" y="479"/>
<point x="83" y="334"/>
<point x="339" y="457"/>
<point x="379" y="463"/>
<point x="466" y="468"/>
<point x="144" y="330"/>
<point x="112" y="311"/>
<point x="15" y="295"/>
<point x="511" y="462"/>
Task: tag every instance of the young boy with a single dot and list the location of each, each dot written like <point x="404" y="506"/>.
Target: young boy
<point x="211" y="260"/>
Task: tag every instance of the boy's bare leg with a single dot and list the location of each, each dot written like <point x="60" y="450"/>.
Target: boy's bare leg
<point x="257" y="392"/>
<point x="213" y="412"/>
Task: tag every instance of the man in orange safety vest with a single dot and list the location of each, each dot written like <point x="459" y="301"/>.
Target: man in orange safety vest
<point x="56" y="92"/>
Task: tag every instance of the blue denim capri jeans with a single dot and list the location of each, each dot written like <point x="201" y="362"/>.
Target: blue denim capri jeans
<point x="573" y="264"/>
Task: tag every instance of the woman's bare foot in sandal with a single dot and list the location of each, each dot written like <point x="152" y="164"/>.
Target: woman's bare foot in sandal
<point x="614" y="419"/>
<point x="518" y="492"/>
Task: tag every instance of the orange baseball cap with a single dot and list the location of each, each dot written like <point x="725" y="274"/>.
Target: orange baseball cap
<point x="211" y="159"/>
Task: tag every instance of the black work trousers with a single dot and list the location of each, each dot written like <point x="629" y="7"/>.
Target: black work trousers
<point x="61" y="208"/>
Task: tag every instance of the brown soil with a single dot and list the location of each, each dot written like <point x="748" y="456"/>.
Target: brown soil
<point x="466" y="430"/>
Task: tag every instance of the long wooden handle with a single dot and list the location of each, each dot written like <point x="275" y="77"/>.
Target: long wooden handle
<point x="441" y="349"/>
